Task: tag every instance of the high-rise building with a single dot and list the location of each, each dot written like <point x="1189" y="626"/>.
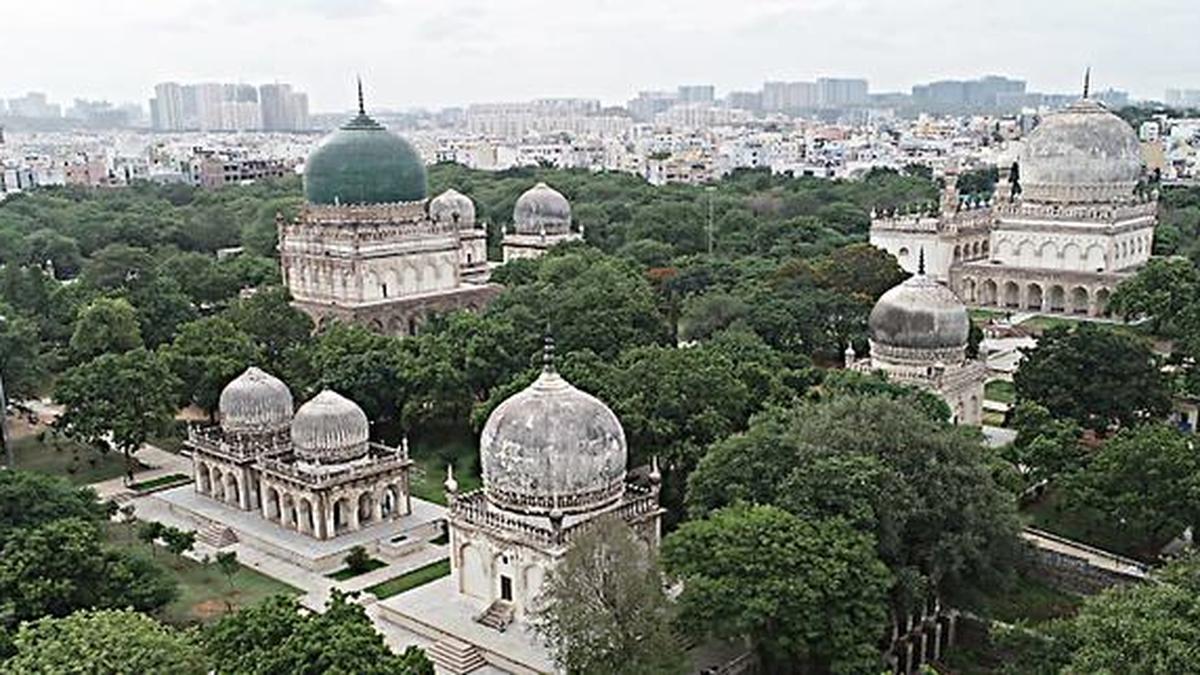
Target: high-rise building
<point x="650" y="103"/>
<point x="696" y="93"/>
<point x="745" y="100"/>
<point x="228" y="107"/>
<point x="33" y="105"/>
<point x="282" y="108"/>
<point x="986" y="93"/>
<point x="1183" y="98"/>
<point x="836" y="92"/>
<point x="789" y="96"/>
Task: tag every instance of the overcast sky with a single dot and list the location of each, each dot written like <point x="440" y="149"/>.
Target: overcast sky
<point x="433" y="53"/>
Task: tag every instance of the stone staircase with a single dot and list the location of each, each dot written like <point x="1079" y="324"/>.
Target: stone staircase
<point x="497" y="616"/>
<point x="216" y="535"/>
<point x="455" y="656"/>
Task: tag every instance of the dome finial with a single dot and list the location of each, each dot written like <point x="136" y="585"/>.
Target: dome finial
<point x="548" y="352"/>
<point x="1087" y="81"/>
<point x="921" y="261"/>
<point x="362" y="108"/>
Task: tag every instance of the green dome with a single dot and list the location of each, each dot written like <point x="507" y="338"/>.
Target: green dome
<point x="364" y="163"/>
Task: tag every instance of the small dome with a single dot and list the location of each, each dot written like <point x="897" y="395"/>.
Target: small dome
<point x="919" y="313"/>
<point x="364" y="163"/>
<point x="552" y="447"/>
<point x="1082" y="146"/>
<point x="330" y="428"/>
<point x="453" y="207"/>
<point x="255" y="402"/>
<point x="542" y="209"/>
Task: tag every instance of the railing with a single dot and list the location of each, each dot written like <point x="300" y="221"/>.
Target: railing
<point x="212" y="439"/>
<point x="1117" y="562"/>
<point x="473" y="508"/>
<point x="383" y="458"/>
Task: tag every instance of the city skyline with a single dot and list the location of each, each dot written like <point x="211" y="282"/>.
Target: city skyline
<point x="418" y="55"/>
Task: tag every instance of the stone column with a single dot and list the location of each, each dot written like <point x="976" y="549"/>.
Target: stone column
<point x="355" y="524"/>
<point x="244" y="490"/>
<point x="264" y="504"/>
<point x="377" y="505"/>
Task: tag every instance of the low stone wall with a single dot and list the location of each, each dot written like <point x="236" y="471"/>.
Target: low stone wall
<point x="1073" y="574"/>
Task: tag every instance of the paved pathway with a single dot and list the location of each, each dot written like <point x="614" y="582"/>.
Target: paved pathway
<point x="158" y="462"/>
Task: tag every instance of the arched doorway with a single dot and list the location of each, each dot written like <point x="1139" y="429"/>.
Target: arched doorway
<point x="988" y="296"/>
<point x="341" y="515"/>
<point x="1033" y="296"/>
<point x="272" y="504"/>
<point x="1012" y="294"/>
<point x="366" y="508"/>
<point x="203" y="480"/>
<point x="1057" y="299"/>
<point x="1079" y="300"/>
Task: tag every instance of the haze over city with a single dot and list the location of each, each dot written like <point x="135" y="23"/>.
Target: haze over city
<point x="453" y="52"/>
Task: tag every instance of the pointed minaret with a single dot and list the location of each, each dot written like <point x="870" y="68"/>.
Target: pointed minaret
<point x="1087" y="81"/>
<point x="362" y="108"/>
<point x="921" y="262"/>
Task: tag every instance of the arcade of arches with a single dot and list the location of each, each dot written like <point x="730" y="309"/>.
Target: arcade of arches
<point x="1005" y="291"/>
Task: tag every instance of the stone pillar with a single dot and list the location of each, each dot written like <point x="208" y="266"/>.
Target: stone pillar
<point x="244" y="491"/>
<point x="377" y="505"/>
<point x="330" y="520"/>
<point x="264" y="504"/>
<point x="355" y="524"/>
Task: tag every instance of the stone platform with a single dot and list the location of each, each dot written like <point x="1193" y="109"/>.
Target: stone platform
<point x="438" y="614"/>
<point x="389" y="539"/>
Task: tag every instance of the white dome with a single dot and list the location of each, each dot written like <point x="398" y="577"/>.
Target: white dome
<point x="1083" y="153"/>
<point x="255" y="402"/>
<point x="330" y="428"/>
<point x="919" y="314"/>
<point x="453" y="207"/>
<point x="552" y="447"/>
<point x="542" y="209"/>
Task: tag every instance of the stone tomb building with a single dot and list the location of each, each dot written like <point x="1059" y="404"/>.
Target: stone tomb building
<point x="369" y="247"/>
<point x="1069" y="222"/>
<point x="919" y="332"/>
<point x="314" y="472"/>
<point x="541" y="220"/>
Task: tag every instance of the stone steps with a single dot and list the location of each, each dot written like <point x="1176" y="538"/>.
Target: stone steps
<point x="455" y="656"/>
<point x="497" y="617"/>
<point x="216" y="535"/>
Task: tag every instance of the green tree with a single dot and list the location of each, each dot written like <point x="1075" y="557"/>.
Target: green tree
<point x="275" y="637"/>
<point x="206" y="355"/>
<point x="704" y="315"/>
<point x="106" y="326"/>
<point x="811" y="595"/>
<point x="179" y="541"/>
<point x="603" y="609"/>
<point x="120" y="642"/>
<point x="1095" y="376"/>
<point x="923" y="487"/>
<point x="61" y="251"/>
<point x="1045" y="448"/>
<point x="1165" y="291"/>
<point x="277" y="328"/>
<point x="1147" y="629"/>
<point x="358" y="561"/>
<point x="227" y="562"/>
<point x="151" y="531"/>
<point x="859" y="269"/>
<point x="21" y="366"/>
<point x="61" y="566"/>
<point x="162" y="307"/>
<point x="119" y="266"/>
<point x="1143" y="482"/>
<point x="30" y="499"/>
<point x="117" y="401"/>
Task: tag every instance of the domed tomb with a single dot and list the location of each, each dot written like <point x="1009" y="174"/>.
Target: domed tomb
<point x="364" y="163"/>
<point x="552" y="447"/>
<point x="542" y="209"/>
<point x="1083" y="153"/>
<point x="330" y="428"/>
<point x="919" y="317"/>
<point x="453" y="207"/>
<point x="255" y="402"/>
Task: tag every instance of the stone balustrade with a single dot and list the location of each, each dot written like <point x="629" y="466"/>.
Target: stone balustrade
<point x="383" y="459"/>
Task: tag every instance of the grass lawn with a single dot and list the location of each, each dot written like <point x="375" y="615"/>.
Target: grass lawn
<point x="80" y="464"/>
<point x="204" y="593"/>
<point x="431" y="455"/>
<point x="417" y="577"/>
<point x="172" y="441"/>
<point x="1029" y="600"/>
<point x="982" y="316"/>
<point x="346" y="573"/>
<point x="1000" y="390"/>
<point x="1051" y="514"/>
<point x="161" y="481"/>
<point x="993" y="419"/>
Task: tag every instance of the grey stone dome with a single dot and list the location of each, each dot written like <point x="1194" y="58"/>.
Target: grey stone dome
<point x="919" y="314"/>
<point x="1082" y="146"/>
<point x="552" y="447"/>
<point x="542" y="208"/>
<point x="255" y="402"/>
<point x="330" y="428"/>
<point x="453" y="207"/>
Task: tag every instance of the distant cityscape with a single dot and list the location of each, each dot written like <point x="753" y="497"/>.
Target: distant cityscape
<point x="213" y="134"/>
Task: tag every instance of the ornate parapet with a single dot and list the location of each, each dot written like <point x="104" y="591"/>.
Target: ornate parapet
<point x="380" y="459"/>
<point x="473" y="508"/>
<point x="214" y="441"/>
<point x="968" y="217"/>
<point x="1079" y="193"/>
<point x="1109" y="213"/>
<point x="573" y="503"/>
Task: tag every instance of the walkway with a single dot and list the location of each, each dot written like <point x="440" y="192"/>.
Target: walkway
<point x="1095" y="557"/>
<point x="159" y="463"/>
